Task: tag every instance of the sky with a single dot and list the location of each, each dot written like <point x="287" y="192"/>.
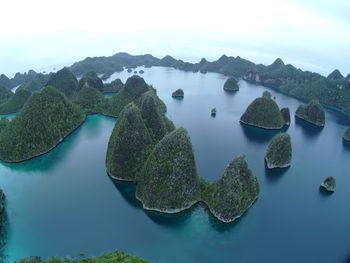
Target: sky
<point x="313" y="35"/>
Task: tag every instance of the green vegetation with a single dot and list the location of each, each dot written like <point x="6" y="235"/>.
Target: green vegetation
<point x="91" y="80"/>
<point x="264" y="113"/>
<point x="230" y="196"/>
<point x="346" y="136"/>
<point x="329" y="184"/>
<point x="134" y="87"/>
<point x="35" y="84"/>
<point x="90" y="99"/>
<point x="169" y="180"/>
<point x="231" y="84"/>
<point x="286" y="115"/>
<point x="3" y="123"/>
<point x="141" y="71"/>
<point x="65" y="81"/>
<point x="5" y="94"/>
<point x="279" y="152"/>
<point x="45" y="120"/>
<point x="114" y="86"/>
<point x="115" y="257"/>
<point x="129" y="145"/>
<point x="179" y="93"/>
<point x="5" y="82"/>
<point x="101" y="65"/>
<point x="313" y="112"/>
<point x="16" y="102"/>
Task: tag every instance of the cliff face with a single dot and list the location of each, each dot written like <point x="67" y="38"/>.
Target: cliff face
<point x="169" y="180"/>
<point x="279" y="152"/>
<point x="313" y="112"/>
<point x="230" y="196"/>
<point x="264" y="113"/>
<point x="129" y="145"/>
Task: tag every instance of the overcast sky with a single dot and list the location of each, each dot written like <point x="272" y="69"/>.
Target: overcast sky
<point x="313" y="35"/>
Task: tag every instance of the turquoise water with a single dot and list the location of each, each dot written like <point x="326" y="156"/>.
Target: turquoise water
<point x="63" y="203"/>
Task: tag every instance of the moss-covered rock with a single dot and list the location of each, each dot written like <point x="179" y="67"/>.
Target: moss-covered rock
<point x="45" y="120"/>
<point x="264" y="113"/>
<point x="230" y="196"/>
<point x="91" y="80"/>
<point x="346" y="135"/>
<point x="89" y="99"/>
<point x="286" y="115"/>
<point x="279" y="152"/>
<point x="179" y="93"/>
<point x="16" y="102"/>
<point x="169" y="181"/>
<point x="329" y="184"/>
<point x="313" y="113"/>
<point x="129" y="145"/>
<point x="231" y="84"/>
<point x="65" y="81"/>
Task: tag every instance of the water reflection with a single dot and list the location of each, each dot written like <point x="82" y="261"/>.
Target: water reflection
<point x="259" y="135"/>
<point x="309" y="130"/>
<point x="274" y="175"/>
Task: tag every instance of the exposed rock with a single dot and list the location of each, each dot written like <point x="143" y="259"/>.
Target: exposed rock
<point x="231" y="84"/>
<point x="313" y="112"/>
<point x="329" y="184"/>
<point x="178" y="93"/>
<point x="169" y="181"/>
<point x="279" y="152"/>
<point x="286" y="115"/>
<point x="232" y="195"/>
<point x="264" y="113"/>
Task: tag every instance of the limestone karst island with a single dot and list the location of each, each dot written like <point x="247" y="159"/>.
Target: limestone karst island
<point x="174" y="132"/>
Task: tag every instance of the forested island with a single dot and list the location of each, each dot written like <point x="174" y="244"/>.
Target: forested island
<point x="313" y="113"/>
<point x="264" y="113"/>
<point x="231" y="84"/>
<point x="279" y="152"/>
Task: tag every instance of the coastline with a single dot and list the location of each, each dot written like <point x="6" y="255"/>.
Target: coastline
<point x="272" y="166"/>
<point x="261" y="127"/>
<point x="316" y="125"/>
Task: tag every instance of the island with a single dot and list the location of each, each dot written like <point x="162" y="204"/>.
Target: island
<point x="231" y="196"/>
<point x="279" y="152"/>
<point x="65" y="81"/>
<point x="329" y="184"/>
<point x="141" y="71"/>
<point x="179" y="93"/>
<point x="129" y="70"/>
<point x="213" y="112"/>
<point x="169" y="181"/>
<point x="45" y="120"/>
<point x="231" y="84"/>
<point x="91" y="80"/>
<point x="346" y="135"/>
<point x="264" y="113"/>
<point x="313" y="113"/>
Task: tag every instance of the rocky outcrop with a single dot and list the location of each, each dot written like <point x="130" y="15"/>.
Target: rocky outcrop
<point x="313" y="113"/>
<point x="179" y="93"/>
<point x="264" y="113"/>
<point x="329" y="184"/>
<point x="286" y="115"/>
<point x="231" y="84"/>
<point x="232" y="195"/>
<point x="279" y="152"/>
<point x="169" y="181"/>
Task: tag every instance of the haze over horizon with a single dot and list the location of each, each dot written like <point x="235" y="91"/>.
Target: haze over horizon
<point x="312" y="36"/>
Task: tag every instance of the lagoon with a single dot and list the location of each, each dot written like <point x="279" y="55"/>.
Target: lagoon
<point x="63" y="203"/>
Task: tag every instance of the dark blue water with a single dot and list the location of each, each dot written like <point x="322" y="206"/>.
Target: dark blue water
<point x="63" y="203"/>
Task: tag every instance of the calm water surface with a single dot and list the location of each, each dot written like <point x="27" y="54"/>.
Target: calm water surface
<point x="63" y="203"/>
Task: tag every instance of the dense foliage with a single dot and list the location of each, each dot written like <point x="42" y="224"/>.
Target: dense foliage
<point x="329" y="184"/>
<point x="115" y="257"/>
<point x="286" y="115"/>
<point x="5" y="82"/>
<point x="115" y="86"/>
<point x="313" y="112"/>
<point x="5" y="94"/>
<point x="263" y="112"/>
<point x="230" y="196"/>
<point x="65" y="81"/>
<point x="35" y="84"/>
<point x="169" y="181"/>
<point x="129" y="145"/>
<point x="89" y="99"/>
<point x="91" y="80"/>
<point x="179" y="93"/>
<point x="231" y="84"/>
<point x="15" y="103"/>
<point x="279" y="152"/>
<point x="44" y="121"/>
